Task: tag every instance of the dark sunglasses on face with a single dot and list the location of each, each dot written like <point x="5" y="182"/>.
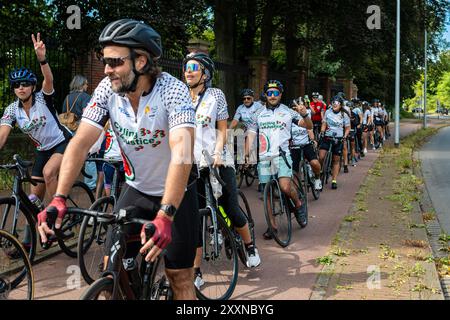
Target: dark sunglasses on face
<point x="275" y="93"/>
<point x="17" y="85"/>
<point x="113" y="62"/>
<point x="192" y="67"/>
<point x="247" y="98"/>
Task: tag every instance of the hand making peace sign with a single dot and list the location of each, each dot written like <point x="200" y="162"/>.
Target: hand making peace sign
<point x="39" y="47"/>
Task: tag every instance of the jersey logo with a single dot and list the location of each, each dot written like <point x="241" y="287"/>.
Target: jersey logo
<point x="124" y="111"/>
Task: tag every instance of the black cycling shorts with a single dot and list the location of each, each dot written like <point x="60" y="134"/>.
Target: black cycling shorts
<point x="308" y="153"/>
<point x="379" y="123"/>
<point x="181" y="251"/>
<point x="42" y="158"/>
<point x="229" y="199"/>
<point x="336" y="148"/>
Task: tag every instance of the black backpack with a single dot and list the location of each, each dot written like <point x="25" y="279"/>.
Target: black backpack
<point x="354" y="120"/>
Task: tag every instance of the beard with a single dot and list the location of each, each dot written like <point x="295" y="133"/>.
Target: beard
<point x="125" y="83"/>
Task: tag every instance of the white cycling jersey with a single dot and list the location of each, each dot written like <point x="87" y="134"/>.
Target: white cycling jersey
<point x="42" y="126"/>
<point x="336" y="122"/>
<point x="112" y="148"/>
<point x="275" y="128"/>
<point x="246" y="114"/>
<point x="210" y="107"/>
<point x="144" y="136"/>
<point x="366" y="116"/>
<point x="300" y="135"/>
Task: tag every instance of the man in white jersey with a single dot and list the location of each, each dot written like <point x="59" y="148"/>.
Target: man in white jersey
<point x="154" y="121"/>
<point x="244" y="114"/>
<point x="274" y="123"/>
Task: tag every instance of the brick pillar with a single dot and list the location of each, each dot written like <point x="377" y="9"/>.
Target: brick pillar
<point x="259" y="67"/>
<point x="325" y="86"/>
<point x="198" y="45"/>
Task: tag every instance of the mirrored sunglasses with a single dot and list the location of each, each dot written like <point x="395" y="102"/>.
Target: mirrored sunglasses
<point x="192" y="67"/>
<point x="275" y="93"/>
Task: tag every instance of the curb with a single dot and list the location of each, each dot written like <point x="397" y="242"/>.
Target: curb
<point x="433" y="228"/>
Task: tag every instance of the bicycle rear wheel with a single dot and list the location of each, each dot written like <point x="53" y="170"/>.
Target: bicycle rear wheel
<point x="25" y="229"/>
<point x="278" y="217"/>
<point x="245" y="208"/>
<point x="219" y="269"/>
<point x="80" y="196"/>
<point x="91" y="238"/>
<point x="16" y="275"/>
<point x="250" y="175"/>
<point x="101" y="289"/>
<point x="300" y="185"/>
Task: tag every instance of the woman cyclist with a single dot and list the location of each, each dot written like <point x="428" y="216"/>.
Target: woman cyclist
<point x="211" y="118"/>
<point x="35" y="114"/>
<point x="336" y="124"/>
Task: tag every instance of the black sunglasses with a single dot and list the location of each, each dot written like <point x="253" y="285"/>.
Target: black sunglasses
<point x="114" y="62"/>
<point x="17" y="85"/>
<point x="247" y="98"/>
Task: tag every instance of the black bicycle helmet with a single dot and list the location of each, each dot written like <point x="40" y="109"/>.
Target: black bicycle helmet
<point x="338" y="98"/>
<point x="203" y="59"/>
<point x="271" y="84"/>
<point x="22" y="75"/>
<point x="247" y="92"/>
<point x="133" y="34"/>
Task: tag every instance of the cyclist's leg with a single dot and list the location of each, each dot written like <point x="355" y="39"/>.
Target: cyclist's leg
<point x="41" y="159"/>
<point x="337" y="152"/>
<point x="311" y="156"/>
<point x="285" y="180"/>
<point x="108" y="173"/>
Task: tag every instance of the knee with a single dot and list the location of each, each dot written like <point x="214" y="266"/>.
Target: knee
<point x="50" y="174"/>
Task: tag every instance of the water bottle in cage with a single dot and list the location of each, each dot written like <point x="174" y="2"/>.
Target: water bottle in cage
<point x="216" y="186"/>
<point x="36" y="201"/>
<point x="310" y="172"/>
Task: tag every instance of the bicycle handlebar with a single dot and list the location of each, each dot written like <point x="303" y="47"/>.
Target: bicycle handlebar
<point x="210" y="162"/>
<point x="281" y="153"/>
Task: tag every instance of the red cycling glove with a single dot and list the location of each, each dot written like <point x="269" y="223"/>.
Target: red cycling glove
<point x="59" y="203"/>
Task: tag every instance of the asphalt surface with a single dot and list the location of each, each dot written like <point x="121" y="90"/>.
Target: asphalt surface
<point x="435" y="159"/>
<point x="285" y="273"/>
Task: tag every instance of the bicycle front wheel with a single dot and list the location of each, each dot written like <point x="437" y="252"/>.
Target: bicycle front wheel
<point x="278" y="217"/>
<point x="251" y="175"/>
<point x="245" y="208"/>
<point x="91" y="239"/>
<point x="16" y="274"/>
<point x="219" y="268"/>
<point x="101" y="289"/>
<point x="300" y="186"/>
<point x="80" y="196"/>
<point x="23" y="230"/>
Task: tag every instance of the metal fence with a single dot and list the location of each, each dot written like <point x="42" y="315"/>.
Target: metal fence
<point x="13" y="55"/>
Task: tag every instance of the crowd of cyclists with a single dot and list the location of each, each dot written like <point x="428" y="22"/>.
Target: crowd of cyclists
<point x="161" y="127"/>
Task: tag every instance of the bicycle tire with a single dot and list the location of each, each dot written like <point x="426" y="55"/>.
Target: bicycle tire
<point x="98" y="231"/>
<point x="159" y="283"/>
<point x="10" y="283"/>
<point x="229" y="252"/>
<point x="19" y="232"/>
<point x="105" y="284"/>
<point x="82" y="197"/>
<point x="300" y="185"/>
<point x="239" y="177"/>
<point x="271" y="192"/>
<point x="245" y="208"/>
<point x="310" y="185"/>
<point x="249" y="179"/>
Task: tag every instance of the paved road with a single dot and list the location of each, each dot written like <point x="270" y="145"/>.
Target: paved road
<point x="435" y="158"/>
<point x="288" y="273"/>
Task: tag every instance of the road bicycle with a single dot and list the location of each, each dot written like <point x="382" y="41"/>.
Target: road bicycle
<point x="278" y="208"/>
<point x="249" y="172"/>
<point x="142" y="281"/>
<point x="326" y="172"/>
<point x="16" y="275"/>
<point x="305" y="177"/>
<point x="221" y="244"/>
<point x="92" y="234"/>
<point x="19" y="214"/>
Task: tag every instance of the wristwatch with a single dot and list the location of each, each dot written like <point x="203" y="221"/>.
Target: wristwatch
<point x="43" y="62"/>
<point x="168" y="209"/>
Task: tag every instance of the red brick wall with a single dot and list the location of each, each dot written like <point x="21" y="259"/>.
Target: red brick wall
<point x="89" y="66"/>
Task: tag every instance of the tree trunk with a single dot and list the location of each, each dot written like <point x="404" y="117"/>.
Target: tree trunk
<point x="224" y="29"/>
<point x="267" y="30"/>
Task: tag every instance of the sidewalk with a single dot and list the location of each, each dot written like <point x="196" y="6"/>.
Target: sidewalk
<point x="381" y="250"/>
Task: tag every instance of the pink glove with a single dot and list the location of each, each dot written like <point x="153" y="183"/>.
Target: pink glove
<point x="60" y="204"/>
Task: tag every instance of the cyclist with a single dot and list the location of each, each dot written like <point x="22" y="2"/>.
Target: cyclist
<point x="154" y="120"/>
<point x="245" y="113"/>
<point x="35" y="114"/>
<point x="367" y="125"/>
<point x="347" y="107"/>
<point x="385" y="122"/>
<point x="356" y="130"/>
<point x="378" y="116"/>
<point x="336" y="124"/>
<point x="273" y="124"/>
<point x="304" y="139"/>
<point x="318" y="109"/>
<point x="211" y="134"/>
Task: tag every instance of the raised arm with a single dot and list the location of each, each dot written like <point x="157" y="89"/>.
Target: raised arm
<point x="39" y="48"/>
